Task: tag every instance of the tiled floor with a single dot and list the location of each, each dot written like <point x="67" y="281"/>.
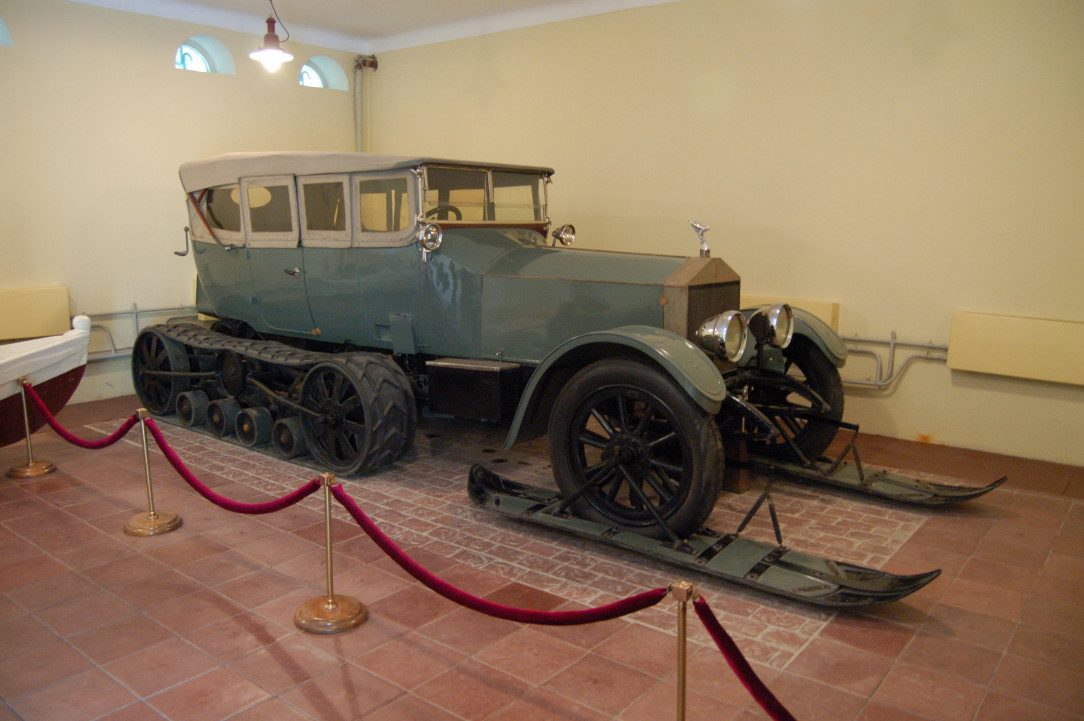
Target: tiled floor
<point x="197" y="625"/>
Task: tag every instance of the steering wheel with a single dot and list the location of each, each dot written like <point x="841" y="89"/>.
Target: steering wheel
<point x="440" y="208"/>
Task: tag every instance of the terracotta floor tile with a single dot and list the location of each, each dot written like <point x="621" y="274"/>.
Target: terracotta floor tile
<point x="152" y="591"/>
<point x="868" y="634"/>
<point x="840" y="665"/>
<point x="648" y="650"/>
<point x="599" y="683"/>
<point x="1040" y="683"/>
<point x="412" y="607"/>
<point x="367" y="583"/>
<point x="531" y="655"/>
<point x="120" y="638"/>
<point x="160" y="666"/>
<point x="76" y="698"/>
<point x="471" y="690"/>
<point x="876" y="711"/>
<point x="953" y="658"/>
<point x="52" y="591"/>
<point x="236" y="636"/>
<point x="194" y="611"/>
<point x="84" y="613"/>
<point x="660" y="702"/>
<point x="125" y="570"/>
<point x="344" y="692"/>
<point x="216" y="695"/>
<point x="1041" y="644"/>
<point x="991" y="573"/>
<point x="272" y="710"/>
<point x="37" y="668"/>
<point x="410" y="660"/>
<point x="985" y="598"/>
<point x="23" y="632"/>
<point x="134" y="712"/>
<point x="28" y="571"/>
<point x="1066" y="618"/>
<point x="468" y="631"/>
<point x="970" y="627"/>
<point x="219" y="568"/>
<point x="186" y="550"/>
<point x="285" y="663"/>
<point x="409" y="708"/>
<point x="812" y="701"/>
<point x="929" y="693"/>
<point x="998" y="707"/>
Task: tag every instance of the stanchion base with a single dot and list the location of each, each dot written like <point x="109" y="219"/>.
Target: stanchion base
<point x="33" y="469"/>
<point x="152" y="524"/>
<point x="319" y="615"/>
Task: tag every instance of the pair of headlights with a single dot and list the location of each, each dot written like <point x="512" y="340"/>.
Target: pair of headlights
<point x="727" y="334"/>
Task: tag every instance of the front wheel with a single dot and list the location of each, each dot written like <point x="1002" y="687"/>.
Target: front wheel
<point x="808" y="425"/>
<point x="635" y="450"/>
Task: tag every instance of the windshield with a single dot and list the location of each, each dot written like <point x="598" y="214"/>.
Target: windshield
<point x="478" y="195"/>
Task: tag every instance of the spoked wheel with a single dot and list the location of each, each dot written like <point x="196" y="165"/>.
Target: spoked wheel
<point x="634" y="450"/>
<point x="338" y="433"/>
<point x="802" y="419"/>
<point x="154" y="359"/>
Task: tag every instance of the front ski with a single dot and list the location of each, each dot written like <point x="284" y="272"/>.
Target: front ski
<point x="770" y="568"/>
<point x="851" y="476"/>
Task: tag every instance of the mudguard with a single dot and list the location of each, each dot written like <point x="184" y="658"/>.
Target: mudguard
<point x="816" y="330"/>
<point x="688" y="365"/>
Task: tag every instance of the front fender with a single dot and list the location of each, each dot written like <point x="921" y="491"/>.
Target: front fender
<point x="816" y="330"/>
<point x="688" y="365"/>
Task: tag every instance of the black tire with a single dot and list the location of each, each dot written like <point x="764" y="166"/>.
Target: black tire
<point x="363" y="418"/>
<point x="806" y="363"/>
<point x="646" y="447"/>
<point x="154" y="354"/>
<point x="400" y="406"/>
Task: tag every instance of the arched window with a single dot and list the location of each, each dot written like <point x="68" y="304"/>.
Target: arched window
<point x="5" y="34"/>
<point x="311" y="77"/>
<point x="189" y="57"/>
<point x="204" y="54"/>
<point x="322" y="71"/>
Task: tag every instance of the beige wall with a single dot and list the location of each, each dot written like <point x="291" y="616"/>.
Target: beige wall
<point x="906" y="159"/>
<point x="95" y="120"/>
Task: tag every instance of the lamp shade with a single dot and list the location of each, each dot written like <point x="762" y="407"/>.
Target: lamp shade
<point x="271" y="55"/>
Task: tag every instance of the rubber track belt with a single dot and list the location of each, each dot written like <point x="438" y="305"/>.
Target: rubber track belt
<point x="268" y="351"/>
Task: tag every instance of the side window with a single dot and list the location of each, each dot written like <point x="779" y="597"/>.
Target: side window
<point x="383" y="209"/>
<point x="219" y="212"/>
<point x="268" y="204"/>
<point x="455" y="194"/>
<point x="325" y="213"/>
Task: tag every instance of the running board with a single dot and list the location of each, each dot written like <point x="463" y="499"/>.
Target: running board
<point x="880" y="484"/>
<point x="770" y="568"/>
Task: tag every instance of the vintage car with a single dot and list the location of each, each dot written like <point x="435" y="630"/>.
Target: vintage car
<point x="349" y="288"/>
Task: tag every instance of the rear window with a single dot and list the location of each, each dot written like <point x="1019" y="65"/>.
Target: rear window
<point x="222" y="208"/>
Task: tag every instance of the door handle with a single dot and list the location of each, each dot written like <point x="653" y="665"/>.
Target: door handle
<point x="291" y="271"/>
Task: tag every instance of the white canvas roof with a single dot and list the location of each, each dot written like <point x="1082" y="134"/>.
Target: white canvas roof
<point x="228" y="168"/>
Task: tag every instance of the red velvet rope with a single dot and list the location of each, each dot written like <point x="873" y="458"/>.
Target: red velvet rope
<point x="739" y="665"/>
<point x="497" y="610"/>
<point x="221" y="501"/>
<point x="68" y="435"/>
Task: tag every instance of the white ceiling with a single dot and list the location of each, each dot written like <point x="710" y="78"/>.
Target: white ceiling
<point x="370" y="26"/>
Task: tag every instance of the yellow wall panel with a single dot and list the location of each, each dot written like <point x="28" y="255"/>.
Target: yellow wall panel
<point x="33" y="312"/>
<point x="1034" y="348"/>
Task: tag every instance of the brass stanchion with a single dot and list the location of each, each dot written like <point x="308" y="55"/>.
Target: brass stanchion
<point x="32" y="468"/>
<point x="331" y="613"/>
<point x="683" y="592"/>
<point x="153" y="522"/>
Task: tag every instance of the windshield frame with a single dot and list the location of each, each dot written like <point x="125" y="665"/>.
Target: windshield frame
<point x="539" y="224"/>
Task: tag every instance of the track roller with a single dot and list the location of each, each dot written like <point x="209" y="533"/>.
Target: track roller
<point x="253" y="426"/>
<point x="222" y="416"/>
<point x="288" y="437"/>
<point x="192" y="408"/>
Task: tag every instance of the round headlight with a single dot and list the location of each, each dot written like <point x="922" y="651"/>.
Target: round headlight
<point x="725" y="335"/>
<point x="773" y="325"/>
<point x="430" y="236"/>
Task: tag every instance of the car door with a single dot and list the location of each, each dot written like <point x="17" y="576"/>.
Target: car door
<point x="276" y="258"/>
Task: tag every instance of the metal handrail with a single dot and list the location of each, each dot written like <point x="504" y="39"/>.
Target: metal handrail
<point x="887" y="377"/>
<point x="182" y="311"/>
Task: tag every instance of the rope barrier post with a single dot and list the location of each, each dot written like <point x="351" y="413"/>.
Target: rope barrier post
<point x="32" y="468"/>
<point x="331" y="613"/>
<point x="153" y="522"/>
<point x="683" y="592"/>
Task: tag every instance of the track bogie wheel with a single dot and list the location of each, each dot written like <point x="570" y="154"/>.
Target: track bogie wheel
<point x="253" y="426"/>
<point x="192" y="408"/>
<point x="222" y="416"/>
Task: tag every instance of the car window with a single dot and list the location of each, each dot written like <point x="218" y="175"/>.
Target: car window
<point x="269" y="206"/>
<point x="325" y="211"/>
<point x="383" y="204"/>
<point x="518" y="197"/>
<point x="222" y="208"/>
<point x="455" y="194"/>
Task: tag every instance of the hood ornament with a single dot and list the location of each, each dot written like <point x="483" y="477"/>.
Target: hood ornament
<point x="705" y="252"/>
